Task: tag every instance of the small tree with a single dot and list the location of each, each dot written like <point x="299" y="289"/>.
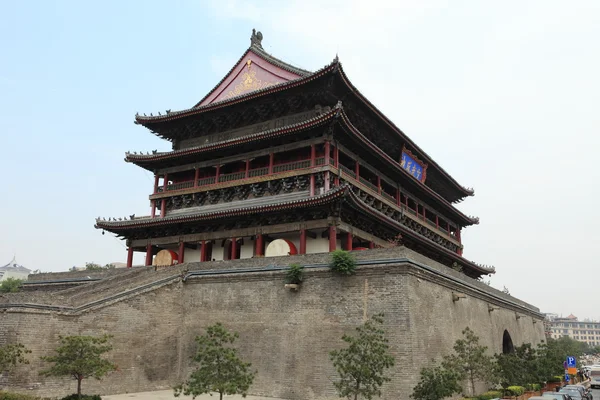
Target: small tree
<point x="295" y="274"/>
<point x="470" y="361"/>
<point x="11" y="355"/>
<point x="10" y="285"/>
<point x="80" y="357"/>
<point x="520" y="367"/>
<point x="436" y="383"/>
<point x="220" y="369"/>
<point x="343" y="262"/>
<point x="362" y="364"/>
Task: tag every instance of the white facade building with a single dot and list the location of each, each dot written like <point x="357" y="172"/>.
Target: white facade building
<point x="13" y="270"/>
<point x="583" y="331"/>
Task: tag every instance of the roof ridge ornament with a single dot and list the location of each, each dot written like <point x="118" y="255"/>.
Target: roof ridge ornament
<point x="256" y="39"/>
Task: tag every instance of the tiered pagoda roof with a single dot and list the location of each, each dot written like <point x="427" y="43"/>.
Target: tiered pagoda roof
<point x="261" y="88"/>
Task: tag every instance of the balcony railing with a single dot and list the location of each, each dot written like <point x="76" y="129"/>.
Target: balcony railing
<point x="369" y="184"/>
<point x="347" y="170"/>
<point x="291" y="166"/>
<point x="236" y="176"/>
<point x="180" y="185"/>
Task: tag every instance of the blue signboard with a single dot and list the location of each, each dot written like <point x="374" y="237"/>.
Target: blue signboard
<point x="412" y="166"/>
<point x="571" y="362"/>
<point x="567" y="378"/>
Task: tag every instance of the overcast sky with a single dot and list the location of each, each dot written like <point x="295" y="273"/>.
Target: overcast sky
<point x="504" y="95"/>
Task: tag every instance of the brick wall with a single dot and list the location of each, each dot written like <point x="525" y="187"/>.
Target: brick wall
<point x="286" y="335"/>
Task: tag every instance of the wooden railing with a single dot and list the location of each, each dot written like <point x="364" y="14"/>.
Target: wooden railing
<point x="236" y="176"/>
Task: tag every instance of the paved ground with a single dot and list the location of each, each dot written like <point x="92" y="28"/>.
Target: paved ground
<point x="168" y="395"/>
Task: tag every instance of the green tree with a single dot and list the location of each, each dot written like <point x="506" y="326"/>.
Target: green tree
<point x="470" y="360"/>
<point x="80" y="357"/>
<point x="520" y="367"/>
<point x="11" y="355"/>
<point x="436" y="383"/>
<point x="90" y="266"/>
<point x="362" y="364"/>
<point x="554" y="352"/>
<point x="220" y="369"/>
<point x="10" y="285"/>
<point x="343" y="262"/>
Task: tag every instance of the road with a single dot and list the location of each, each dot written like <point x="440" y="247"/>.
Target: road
<point x="596" y="394"/>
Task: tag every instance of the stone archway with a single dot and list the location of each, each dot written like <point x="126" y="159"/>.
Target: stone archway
<point x="507" y="343"/>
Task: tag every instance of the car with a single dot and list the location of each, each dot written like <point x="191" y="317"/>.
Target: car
<point x="595" y="377"/>
<point x="574" y="393"/>
<point x="582" y="389"/>
<point x="556" y="396"/>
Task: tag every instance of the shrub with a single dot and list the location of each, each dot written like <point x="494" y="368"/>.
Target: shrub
<point x="555" y="379"/>
<point x="515" y="390"/>
<point x="533" y="387"/>
<point x="19" y="396"/>
<point x="10" y="285"/>
<point x="83" y="397"/>
<point x="343" y="262"/>
<point x="295" y="274"/>
<point x="492" y="394"/>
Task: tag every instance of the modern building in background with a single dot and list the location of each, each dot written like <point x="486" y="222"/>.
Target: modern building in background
<point x="13" y="270"/>
<point x="583" y="331"/>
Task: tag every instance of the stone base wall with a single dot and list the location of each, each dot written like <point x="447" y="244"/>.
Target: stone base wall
<point x="286" y="335"/>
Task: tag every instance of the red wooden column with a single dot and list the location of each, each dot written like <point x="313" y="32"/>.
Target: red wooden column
<point x="371" y="245"/>
<point x="313" y="155"/>
<point x="398" y="197"/>
<point x="336" y="156"/>
<point x="196" y="176"/>
<point x="437" y="222"/>
<point x="130" y="257"/>
<point x="332" y="238"/>
<point x="302" y="241"/>
<point x="165" y="182"/>
<point x="153" y="208"/>
<point x="156" y="177"/>
<point x="348" y="241"/>
<point x="259" y="243"/>
<point x="163" y="207"/>
<point x="233" y="249"/>
<point x="271" y="159"/>
<point x="247" y="168"/>
<point x="379" y="184"/>
<point x="218" y="173"/>
<point x="327" y="151"/>
<point x="148" y="254"/>
<point x="357" y="170"/>
<point x="203" y="251"/>
<point x="181" y="252"/>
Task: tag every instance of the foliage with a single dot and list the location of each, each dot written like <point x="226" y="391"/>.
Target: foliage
<point x="534" y="387"/>
<point x="220" y="369"/>
<point x="492" y="394"/>
<point x="90" y="266"/>
<point x="436" y="383"/>
<point x="470" y="360"/>
<point x="19" y="396"/>
<point x="554" y="352"/>
<point x="10" y="285"/>
<point x="520" y="367"/>
<point x="555" y="379"/>
<point x="515" y="390"/>
<point x="343" y="262"/>
<point x="362" y="364"/>
<point x="295" y="274"/>
<point x="80" y="357"/>
<point x="11" y="355"/>
<point x="83" y="397"/>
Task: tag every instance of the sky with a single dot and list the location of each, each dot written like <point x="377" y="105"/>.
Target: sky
<point x="505" y="96"/>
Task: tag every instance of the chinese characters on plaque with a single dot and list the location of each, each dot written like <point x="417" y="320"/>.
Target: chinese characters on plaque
<point x="412" y="166"/>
